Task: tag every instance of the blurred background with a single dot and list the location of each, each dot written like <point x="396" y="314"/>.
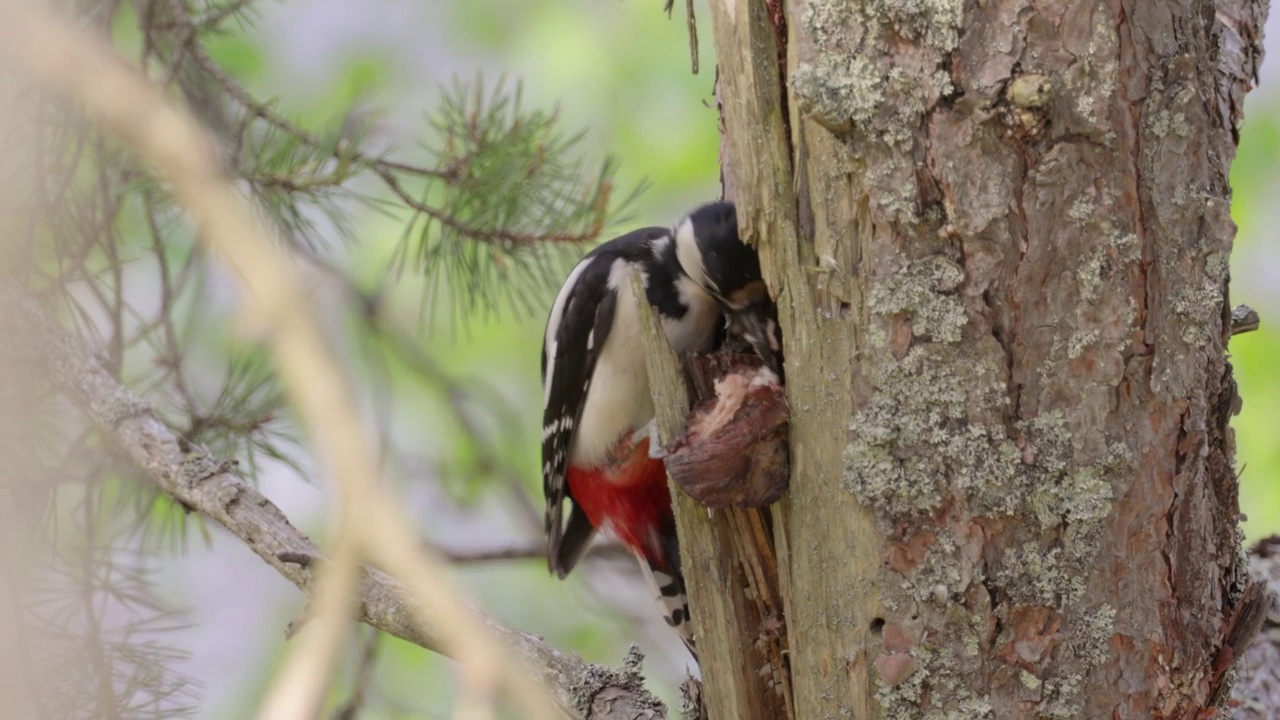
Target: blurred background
<point x="620" y="70"/>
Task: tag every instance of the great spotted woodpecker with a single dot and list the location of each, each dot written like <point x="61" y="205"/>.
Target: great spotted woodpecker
<point x="701" y="279"/>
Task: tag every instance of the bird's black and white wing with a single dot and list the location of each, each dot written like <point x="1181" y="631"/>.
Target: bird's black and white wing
<point x="577" y="328"/>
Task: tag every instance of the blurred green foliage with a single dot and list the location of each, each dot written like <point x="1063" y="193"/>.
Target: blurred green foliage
<point x="1255" y="264"/>
<point x="622" y="69"/>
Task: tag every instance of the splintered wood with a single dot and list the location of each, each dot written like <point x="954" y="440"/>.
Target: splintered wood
<point x="734" y="453"/>
<point x="734" y="457"/>
<point x="729" y="560"/>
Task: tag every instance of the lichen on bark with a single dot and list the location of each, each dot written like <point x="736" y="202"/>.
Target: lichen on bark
<point x="1013" y="218"/>
<point x="848" y="78"/>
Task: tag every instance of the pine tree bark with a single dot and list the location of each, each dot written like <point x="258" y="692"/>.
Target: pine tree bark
<point x="998" y="232"/>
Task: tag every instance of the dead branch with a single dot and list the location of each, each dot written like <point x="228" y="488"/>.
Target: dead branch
<point x="210" y="486"/>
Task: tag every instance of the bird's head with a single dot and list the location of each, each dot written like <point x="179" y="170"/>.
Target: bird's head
<point x="713" y="255"/>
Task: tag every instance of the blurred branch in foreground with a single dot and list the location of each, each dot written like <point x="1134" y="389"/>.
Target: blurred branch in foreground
<point x="371" y="524"/>
<point x="209" y="485"/>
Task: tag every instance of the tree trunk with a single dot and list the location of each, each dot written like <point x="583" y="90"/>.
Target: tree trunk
<point x="998" y="232"/>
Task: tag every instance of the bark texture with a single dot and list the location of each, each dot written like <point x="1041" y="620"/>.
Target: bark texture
<point x="999" y="232"/>
<point x="1256" y="694"/>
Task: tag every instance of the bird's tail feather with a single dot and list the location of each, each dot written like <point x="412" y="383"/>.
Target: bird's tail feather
<point x="669" y="591"/>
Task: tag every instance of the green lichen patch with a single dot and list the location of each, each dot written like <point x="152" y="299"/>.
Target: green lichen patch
<point x="907" y="694"/>
<point x="850" y="82"/>
<point x="1126" y="243"/>
<point x="1061" y="491"/>
<point x="1089" y="637"/>
<point x="913" y="444"/>
<point x="830" y="24"/>
<point x="935" y="22"/>
<point x="1062" y="697"/>
<point x="936" y="575"/>
<point x="1092" y="638"/>
<point x="926" y="292"/>
<point x="935" y="691"/>
<point x="1200" y="308"/>
<point x="1078" y="341"/>
<point x="1101" y="263"/>
<point x="840" y="89"/>
<point x="921" y="403"/>
<point x="1090" y="84"/>
<point x="1217" y="266"/>
<point x="1081" y="209"/>
<point x="1091" y="273"/>
<point x="1032" y="576"/>
<point x="896" y="199"/>
<point x="1079" y="500"/>
<point x="1168" y="122"/>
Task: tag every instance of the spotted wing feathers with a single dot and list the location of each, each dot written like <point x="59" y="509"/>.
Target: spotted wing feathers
<point x="569" y="357"/>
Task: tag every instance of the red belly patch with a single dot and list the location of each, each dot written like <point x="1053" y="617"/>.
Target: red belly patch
<point x="628" y="499"/>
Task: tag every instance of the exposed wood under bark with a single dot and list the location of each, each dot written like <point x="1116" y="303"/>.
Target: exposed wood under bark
<point x="830" y="596"/>
<point x="729" y="564"/>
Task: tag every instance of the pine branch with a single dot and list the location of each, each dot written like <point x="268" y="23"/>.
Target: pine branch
<point x="209" y="485"/>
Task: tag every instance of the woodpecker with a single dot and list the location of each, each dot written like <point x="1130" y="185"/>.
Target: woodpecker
<point x="701" y="279"/>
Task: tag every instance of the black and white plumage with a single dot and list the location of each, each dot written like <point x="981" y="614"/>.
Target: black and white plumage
<point x="597" y="402"/>
<point x="709" y="249"/>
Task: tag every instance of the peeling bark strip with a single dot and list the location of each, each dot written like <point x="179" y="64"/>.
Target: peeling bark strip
<point x="999" y="235"/>
<point x="209" y="486"/>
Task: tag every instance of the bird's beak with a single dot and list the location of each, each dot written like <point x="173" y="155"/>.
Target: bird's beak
<point x="759" y="328"/>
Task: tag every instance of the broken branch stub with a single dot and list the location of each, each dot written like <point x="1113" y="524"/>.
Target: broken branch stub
<point x="733" y="452"/>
